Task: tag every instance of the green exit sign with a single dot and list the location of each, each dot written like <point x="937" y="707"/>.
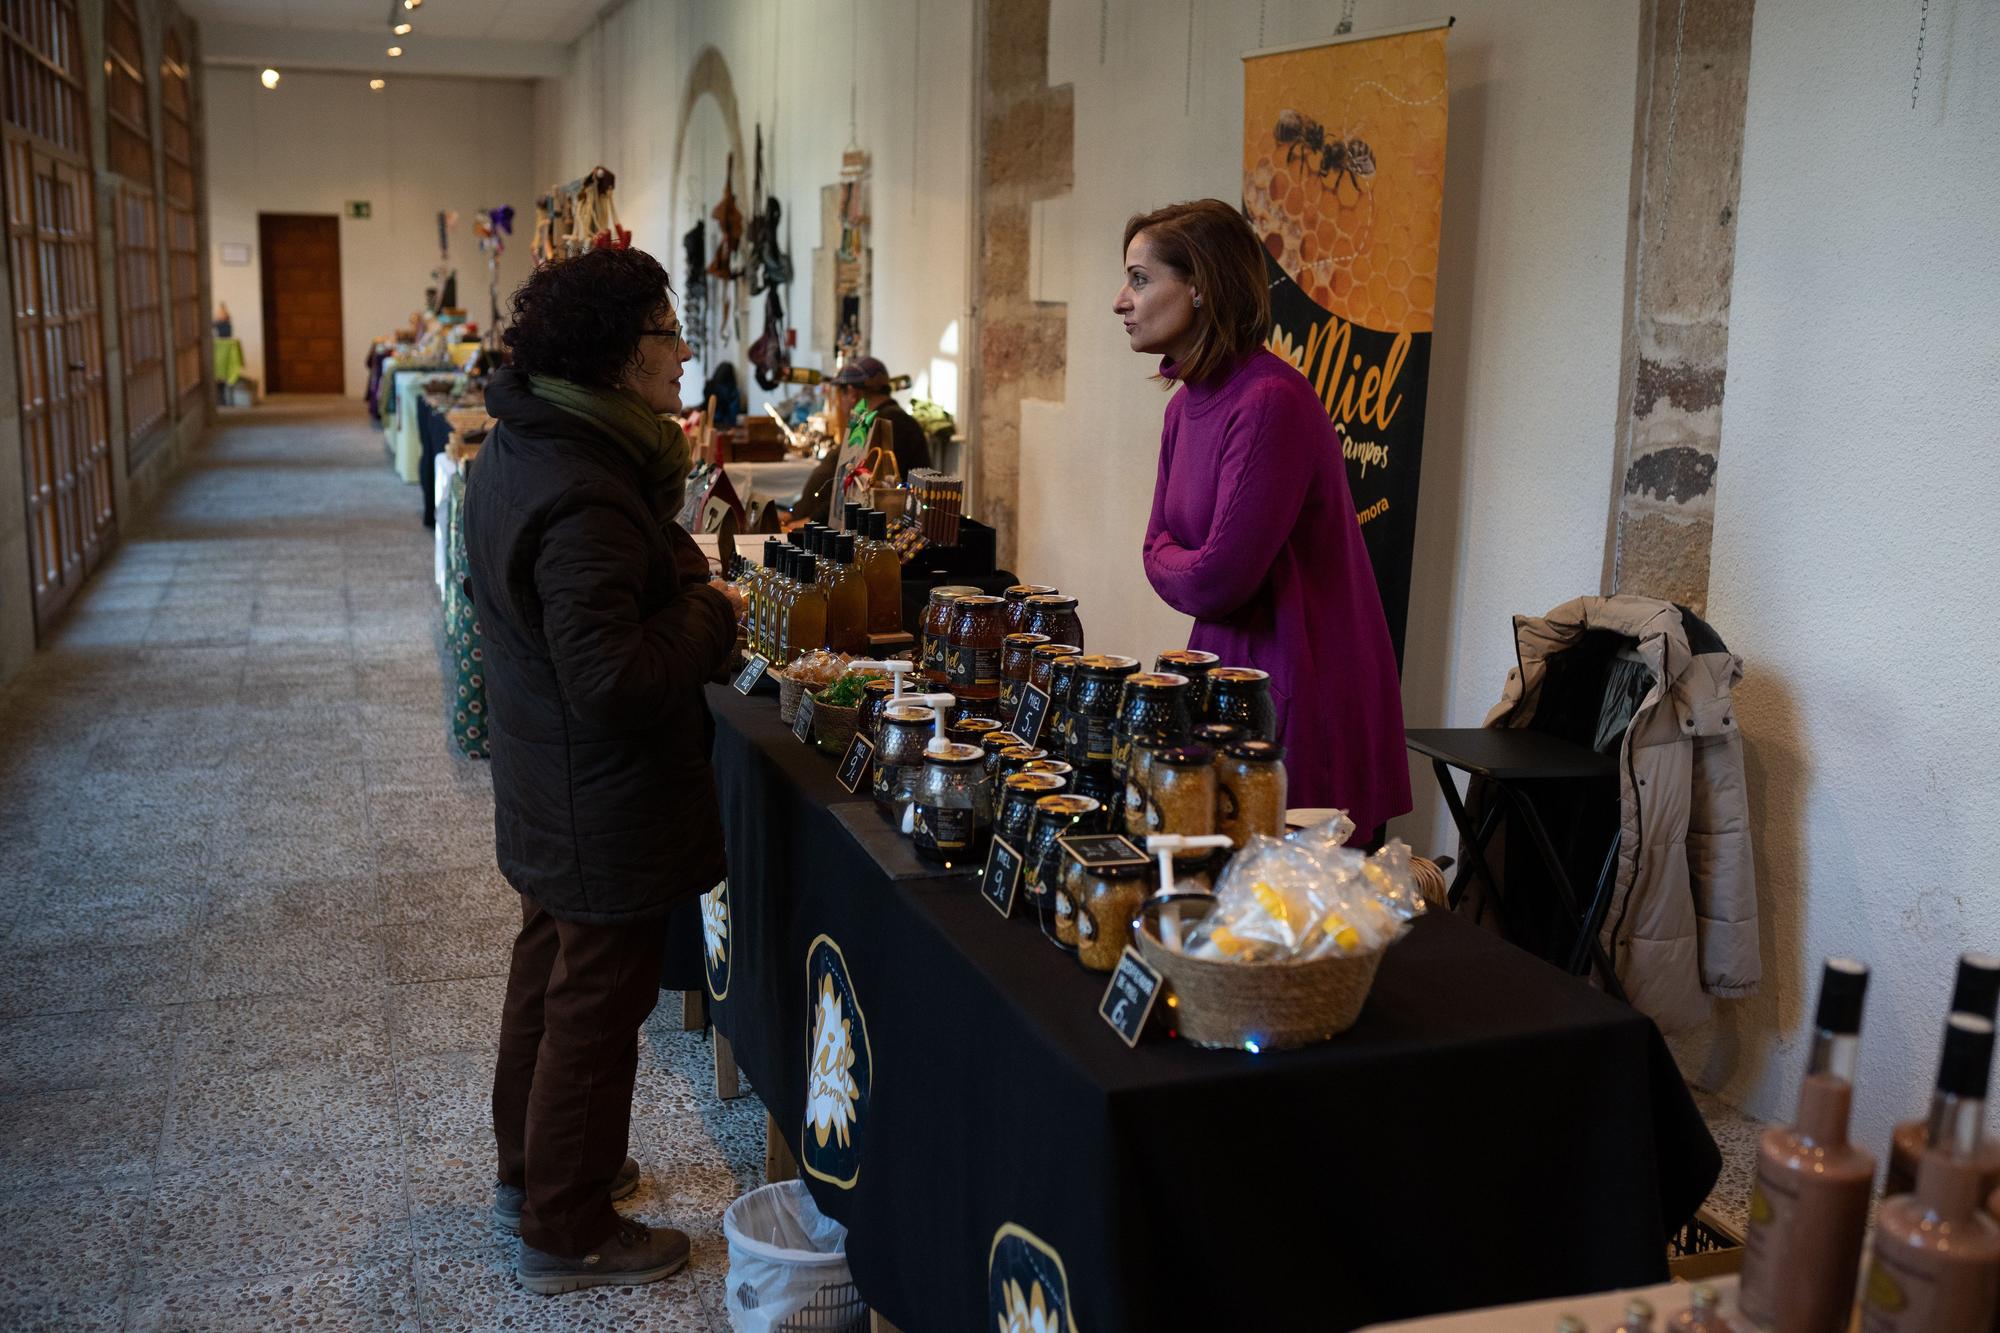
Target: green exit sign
<point x="358" y="208"/>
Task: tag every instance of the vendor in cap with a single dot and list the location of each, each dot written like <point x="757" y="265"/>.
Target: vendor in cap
<point x="861" y="387"/>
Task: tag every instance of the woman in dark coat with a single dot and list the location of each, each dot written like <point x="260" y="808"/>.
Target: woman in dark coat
<point x="601" y="624"/>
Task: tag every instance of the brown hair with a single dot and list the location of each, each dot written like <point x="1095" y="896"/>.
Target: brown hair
<point x="1211" y="245"/>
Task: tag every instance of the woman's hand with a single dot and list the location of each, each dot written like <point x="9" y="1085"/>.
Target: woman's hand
<point x="730" y="591"/>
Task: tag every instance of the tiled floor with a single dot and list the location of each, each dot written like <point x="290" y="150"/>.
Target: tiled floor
<point x="254" y="938"/>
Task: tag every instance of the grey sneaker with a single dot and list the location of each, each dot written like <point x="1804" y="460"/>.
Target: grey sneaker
<point x="630" y="1256"/>
<point x="507" y="1199"/>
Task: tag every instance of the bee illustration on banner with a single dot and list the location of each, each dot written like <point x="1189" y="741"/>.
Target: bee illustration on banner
<point x="1304" y="139"/>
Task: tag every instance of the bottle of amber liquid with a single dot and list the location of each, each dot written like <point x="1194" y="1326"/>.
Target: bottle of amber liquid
<point x="1936" y="1264"/>
<point x="766" y="587"/>
<point x="846" y="599"/>
<point x="805" y="625"/>
<point x="784" y="593"/>
<point x="882" y="570"/>
<point x="1810" y="1203"/>
<point x="1977" y="992"/>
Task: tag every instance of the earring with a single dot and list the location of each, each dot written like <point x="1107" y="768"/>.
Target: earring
<point x="1197" y="301"/>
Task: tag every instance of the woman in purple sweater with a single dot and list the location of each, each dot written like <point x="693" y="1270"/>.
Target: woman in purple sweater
<point x="1253" y="531"/>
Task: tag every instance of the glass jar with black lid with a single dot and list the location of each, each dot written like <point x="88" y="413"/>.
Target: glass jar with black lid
<point x="1017" y="658"/>
<point x="1017" y="597"/>
<point x="906" y="730"/>
<point x="1062" y="681"/>
<point x="1152" y="708"/>
<point x="1014" y="819"/>
<point x="1195" y="665"/>
<point x="1055" y="615"/>
<point x="1093" y="706"/>
<point x="1242" y="696"/>
<point x="952" y="806"/>
<point x="934" y="630"/>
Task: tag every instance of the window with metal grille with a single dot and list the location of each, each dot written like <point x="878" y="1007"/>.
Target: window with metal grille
<point x="183" y="239"/>
<point x="59" y="343"/>
<point x="136" y="227"/>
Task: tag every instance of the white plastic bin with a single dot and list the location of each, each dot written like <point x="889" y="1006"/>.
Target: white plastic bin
<point x="788" y="1265"/>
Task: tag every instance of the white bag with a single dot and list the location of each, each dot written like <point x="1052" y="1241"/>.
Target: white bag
<point x="782" y="1251"/>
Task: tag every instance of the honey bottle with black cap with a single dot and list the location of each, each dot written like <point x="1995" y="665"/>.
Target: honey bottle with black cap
<point x="1809" y="1207"/>
<point x="1936" y="1261"/>
<point x="1976" y="992"/>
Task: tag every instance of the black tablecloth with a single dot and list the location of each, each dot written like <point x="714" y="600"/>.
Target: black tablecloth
<point x="1491" y="1130"/>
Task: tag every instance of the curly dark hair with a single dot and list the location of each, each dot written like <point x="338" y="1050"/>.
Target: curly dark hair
<point x="580" y="319"/>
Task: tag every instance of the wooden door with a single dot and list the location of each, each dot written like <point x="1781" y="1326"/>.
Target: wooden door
<point x="300" y="254"/>
<point x="58" y="339"/>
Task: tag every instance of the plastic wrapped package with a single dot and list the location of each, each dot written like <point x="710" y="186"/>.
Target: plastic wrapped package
<point x="1307" y="897"/>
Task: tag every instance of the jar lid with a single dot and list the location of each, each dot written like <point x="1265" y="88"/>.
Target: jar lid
<point x="1155" y="680"/>
<point x="1055" y="766"/>
<point x="1218" y="734"/>
<point x="1257" y="752"/>
<point x="1239" y="675"/>
<point x="1108" y="664"/>
<point x="977" y="726"/>
<point x="951" y="592"/>
<point x="1068" y="804"/>
<point x="1117" y="872"/>
<point x="1025" y="640"/>
<point x="1056" y="600"/>
<point x="1055" y="650"/>
<point x="909" y="715"/>
<point x="954" y="755"/>
<point x="1042" y="782"/>
<point x="999" y="742"/>
<point x="1189" y="657"/>
<point x="1023" y="752"/>
<point x="1023" y="591"/>
<point x="979" y="601"/>
<point x="878" y="685"/>
<point x="1186" y="756"/>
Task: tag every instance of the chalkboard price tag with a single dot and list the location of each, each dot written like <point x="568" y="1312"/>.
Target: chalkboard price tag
<point x="752" y="672"/>
<point x="1129" y="998"/>
<point x="853" y="770"/>
<point x="802" y="721"/>
<point x="1030" y="713"/>
<point x="1001" y="877"/>
<point x="1096" y="851"/>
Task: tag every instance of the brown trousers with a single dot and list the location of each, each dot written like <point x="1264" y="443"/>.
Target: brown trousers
<point x="569" y="1052"/>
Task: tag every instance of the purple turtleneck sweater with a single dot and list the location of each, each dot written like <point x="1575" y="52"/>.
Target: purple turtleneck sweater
<point x="1253" y="534"/>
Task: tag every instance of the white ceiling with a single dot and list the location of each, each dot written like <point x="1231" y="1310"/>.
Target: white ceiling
<point x="532" y="21"/>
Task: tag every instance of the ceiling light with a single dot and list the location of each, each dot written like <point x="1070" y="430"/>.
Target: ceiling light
<point x="401" y="29"/>
<point x="376" y="85"/>
<point x="411" y="4"/>
<point x="269" y="78"/>
<point x="395" y="51"/>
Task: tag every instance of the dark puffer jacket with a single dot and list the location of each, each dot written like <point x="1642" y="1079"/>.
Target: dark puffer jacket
<point x="600" y="631"/>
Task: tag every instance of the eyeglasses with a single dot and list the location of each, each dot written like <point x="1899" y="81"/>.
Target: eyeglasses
<point x="673" y="333"/>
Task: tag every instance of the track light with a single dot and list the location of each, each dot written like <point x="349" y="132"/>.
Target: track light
<point x="269" y="78"/>
<point x="376" y="85"/>
<point x="401" y="29"/>
<point x="395" y="51"/>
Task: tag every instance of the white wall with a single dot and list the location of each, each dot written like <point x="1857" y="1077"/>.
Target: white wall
<point x="621" y="105"/>
<point x="1856" y="545"/>
<point x="417" y="146"/>
<point x="1524" y="369"/>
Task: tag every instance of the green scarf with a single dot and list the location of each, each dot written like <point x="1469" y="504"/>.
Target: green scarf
<point x="655" y="443"/>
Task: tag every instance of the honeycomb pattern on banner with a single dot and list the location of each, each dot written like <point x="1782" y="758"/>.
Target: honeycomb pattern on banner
<point x="1362" y="244"/>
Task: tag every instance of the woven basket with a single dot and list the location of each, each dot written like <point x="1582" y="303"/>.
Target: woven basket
<point x="833" y="726"/>
<point x="1276" y="1006"/>
<point x="1431" y="883"/>
<point x="789" y="693"/>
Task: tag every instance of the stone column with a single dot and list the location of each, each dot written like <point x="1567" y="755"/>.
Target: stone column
<point x="1025" y="153"/>
<point x="1687" y="153"/>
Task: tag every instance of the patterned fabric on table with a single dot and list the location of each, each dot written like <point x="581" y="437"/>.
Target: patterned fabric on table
<point x="462" y="637"/>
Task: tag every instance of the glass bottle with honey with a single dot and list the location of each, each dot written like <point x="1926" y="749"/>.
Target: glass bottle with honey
<point x="882" y="571"/>
<point x="805" y="624"/>
<point x="846" y="597"/>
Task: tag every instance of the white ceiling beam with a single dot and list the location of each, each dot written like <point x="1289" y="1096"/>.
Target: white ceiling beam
<point x="244" y="45"/>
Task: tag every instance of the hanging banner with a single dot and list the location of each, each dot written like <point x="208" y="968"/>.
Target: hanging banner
<point x="1343" y="178"/>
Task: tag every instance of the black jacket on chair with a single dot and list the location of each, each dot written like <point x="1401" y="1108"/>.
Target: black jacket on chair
<point x="600" y="631"/>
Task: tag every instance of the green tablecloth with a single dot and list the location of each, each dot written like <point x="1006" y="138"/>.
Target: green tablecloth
<point x="228" y="360"/>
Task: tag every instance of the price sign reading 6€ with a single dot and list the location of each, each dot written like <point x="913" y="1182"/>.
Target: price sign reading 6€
<point x="1129" y="998"/>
